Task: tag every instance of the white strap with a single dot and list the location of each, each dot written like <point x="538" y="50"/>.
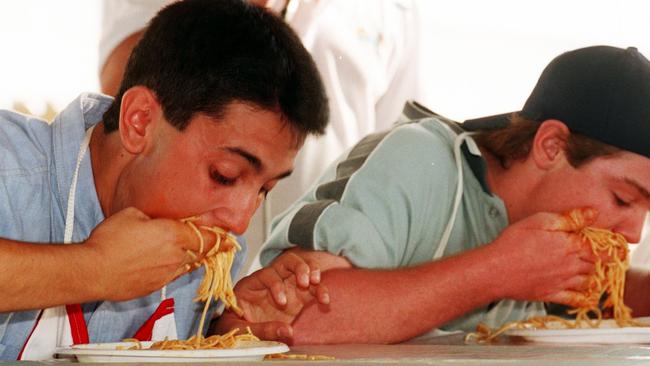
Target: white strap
<point x="69" y="217"/>
<point x="458" y="142"/>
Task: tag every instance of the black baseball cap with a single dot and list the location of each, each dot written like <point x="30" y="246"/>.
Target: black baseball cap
<point x="600" y="92"/>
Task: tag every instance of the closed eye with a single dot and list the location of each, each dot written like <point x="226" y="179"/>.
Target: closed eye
<point x="620" y="202"/>
<point x="221" y="179"/>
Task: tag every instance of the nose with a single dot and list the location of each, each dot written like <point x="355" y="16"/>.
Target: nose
<point x="632" y="227"/>
<point x="236" y="215"/>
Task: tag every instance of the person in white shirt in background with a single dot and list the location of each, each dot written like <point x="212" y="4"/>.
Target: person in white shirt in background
<point x="123" y="23"/>
<point x="368" y="54"/>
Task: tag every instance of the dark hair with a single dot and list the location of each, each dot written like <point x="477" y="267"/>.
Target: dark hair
<point x="514" y="142"/>
<point x="198" y="56"/>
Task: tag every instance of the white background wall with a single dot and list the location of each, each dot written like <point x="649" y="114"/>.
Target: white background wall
<point x="484" y="57"/>
<point x="48" y="51"/>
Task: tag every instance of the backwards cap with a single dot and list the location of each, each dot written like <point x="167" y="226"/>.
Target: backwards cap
<point x="600" y="92"/>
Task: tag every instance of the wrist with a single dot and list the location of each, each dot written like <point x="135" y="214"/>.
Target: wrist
<point x="500" y="270"/>
<point x="86" y="272"/>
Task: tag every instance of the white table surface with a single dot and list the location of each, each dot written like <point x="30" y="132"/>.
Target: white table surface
<point x="451" y="350"/>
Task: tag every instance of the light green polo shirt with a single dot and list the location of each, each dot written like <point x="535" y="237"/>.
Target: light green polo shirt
<point x="385" y="204"/>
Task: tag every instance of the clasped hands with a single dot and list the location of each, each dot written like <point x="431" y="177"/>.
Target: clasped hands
<point x="272" y="297"/>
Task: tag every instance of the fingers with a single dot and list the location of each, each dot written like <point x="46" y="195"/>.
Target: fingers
<point x="270" y="279"/>
<point x="579" y="283"/>
<point x="573" y="299"/>
<point x="579" y="248"/>
<point x="133" y="213"/>
<point x="182" y="270"/>
<point x="205" y="240"/>
<point x="314" y="274"/>
<point x="321" y="293"/>
<point x="269" y="331"/>
<point x="272" y="331"/>
<point x="306" y="270"/>
<point x="217" y="239"/>
<point x="581" y="274"/>
<point x="307" y="275"/>
<point x="586" y="255"/>
<point x="291" y="264"/>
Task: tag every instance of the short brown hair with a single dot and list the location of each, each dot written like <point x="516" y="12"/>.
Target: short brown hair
<point x="514" y="142"/>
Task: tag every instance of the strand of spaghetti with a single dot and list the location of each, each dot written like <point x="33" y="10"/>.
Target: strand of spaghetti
<point x="190" y="223"/>
<point x="297" y="356"/>
<point x="213" y="283"/>
<point x="137" y="345"/>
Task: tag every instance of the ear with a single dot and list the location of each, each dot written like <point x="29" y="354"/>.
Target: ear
<point x="549" y="144"/>
<point x="138" y="114"/>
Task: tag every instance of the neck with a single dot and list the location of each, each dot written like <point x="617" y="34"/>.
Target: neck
<point x="512" y="184"/>
<point x="108" y="160"/>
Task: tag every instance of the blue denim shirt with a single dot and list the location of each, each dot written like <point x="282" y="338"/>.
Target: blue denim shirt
<point x="37" y="161"/>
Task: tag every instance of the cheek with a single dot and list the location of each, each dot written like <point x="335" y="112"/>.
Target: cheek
<point x="608" y="212"/>
<point x="174" y="193"/>
<point x="559" y="196"/>
<point x="595" y="198"/>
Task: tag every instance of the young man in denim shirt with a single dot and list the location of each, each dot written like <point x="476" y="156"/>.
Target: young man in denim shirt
<point x="216" y="101"/>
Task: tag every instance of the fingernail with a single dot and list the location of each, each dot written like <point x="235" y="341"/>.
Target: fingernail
<point x="315" y="276"/>
<point x="284" y="332"/>
<point x="589" y="214"/>
<point x="304" y="279"/>
<point x="325" y="299"/>
<point x="282" y="298"/>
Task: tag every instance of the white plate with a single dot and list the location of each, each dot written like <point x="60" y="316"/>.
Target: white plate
<point x="108" y="352"/>
<point x="607" y="333"/>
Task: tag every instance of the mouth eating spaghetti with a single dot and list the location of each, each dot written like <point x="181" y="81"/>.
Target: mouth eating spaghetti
<point x="608" y="279"/>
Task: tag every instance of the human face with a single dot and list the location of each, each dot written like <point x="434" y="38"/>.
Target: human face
<point x="219" y="169"/>
<point x="618" y="186"/>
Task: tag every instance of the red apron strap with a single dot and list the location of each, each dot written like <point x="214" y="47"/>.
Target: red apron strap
<point x="78" y="326"/>
<point x="145" y="332"/>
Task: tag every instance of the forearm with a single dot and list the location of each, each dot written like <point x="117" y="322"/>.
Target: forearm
<point x="637" y="296"/>
<point x="34" y="276"/>
<point x="370" y="306"/>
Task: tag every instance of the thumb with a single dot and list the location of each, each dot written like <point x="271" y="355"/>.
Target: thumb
<point x="573" y="299"/>
<point x="272" y="331"/>
<point x="571" y="221"/>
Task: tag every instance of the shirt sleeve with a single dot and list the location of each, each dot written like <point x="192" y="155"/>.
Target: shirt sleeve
<point x="373" y="206"/>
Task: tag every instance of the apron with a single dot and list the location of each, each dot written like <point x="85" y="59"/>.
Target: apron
<point x="65" y="325"/>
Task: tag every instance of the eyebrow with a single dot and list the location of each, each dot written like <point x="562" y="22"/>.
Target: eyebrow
<point x="255" y="161"/>
<point x="644" y="192"/>
<point x="252" y="159"/>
